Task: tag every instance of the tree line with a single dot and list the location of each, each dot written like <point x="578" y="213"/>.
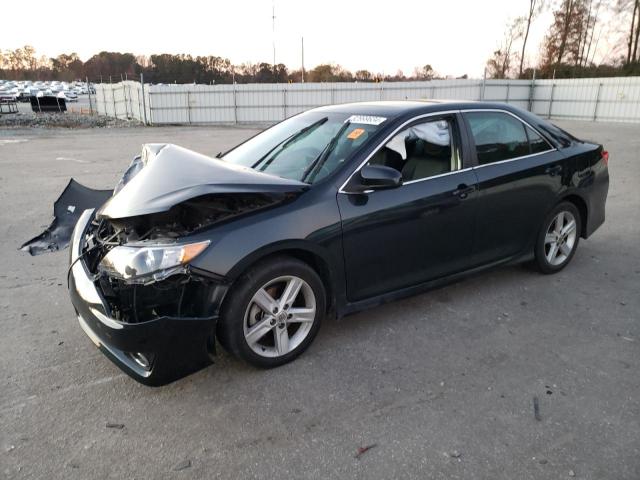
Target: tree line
<point x="571" y="41"/>
<point x="578" y="29"/>
<point x="24" y="64"/>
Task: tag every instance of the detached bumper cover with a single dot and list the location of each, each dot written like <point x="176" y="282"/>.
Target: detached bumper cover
<point x="173" y="346"/>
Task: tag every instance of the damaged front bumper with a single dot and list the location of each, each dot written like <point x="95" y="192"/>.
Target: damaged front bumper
<point x="153" y="351"/>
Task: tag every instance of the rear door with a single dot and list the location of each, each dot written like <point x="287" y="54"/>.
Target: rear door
<point x="421" y="230"/>
<point x="519" y="177"/>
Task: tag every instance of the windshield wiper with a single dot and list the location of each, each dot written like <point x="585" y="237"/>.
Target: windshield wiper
<point x="326" y="151"/>
<point x="287" y="141"/>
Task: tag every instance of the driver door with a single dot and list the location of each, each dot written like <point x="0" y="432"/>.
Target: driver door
<point x="424" y="229"/>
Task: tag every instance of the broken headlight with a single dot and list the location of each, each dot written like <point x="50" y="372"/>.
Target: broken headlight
<point x="146" y="264"/>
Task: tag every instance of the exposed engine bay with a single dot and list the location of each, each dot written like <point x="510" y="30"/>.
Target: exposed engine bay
<point x="189" y="216"/>
<point x="137" y="247"/>
<point x="176" y="291"/>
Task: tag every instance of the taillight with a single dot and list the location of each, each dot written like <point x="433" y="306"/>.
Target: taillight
<point x="605" y="157"/>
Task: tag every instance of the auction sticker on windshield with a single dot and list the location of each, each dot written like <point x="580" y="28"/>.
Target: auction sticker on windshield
<point x="365" y="119"/>
<point x="355" y="133"/>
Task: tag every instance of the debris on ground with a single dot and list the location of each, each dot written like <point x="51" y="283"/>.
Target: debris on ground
<point x="117" y="426"/>
<point x="183" y="465"/>
<point x="536" y="409"/>
<point x="63" y="120"/>
<point x="572" y="473"/>
<point x="362" y="450"/>
<point x="455" y="454"/>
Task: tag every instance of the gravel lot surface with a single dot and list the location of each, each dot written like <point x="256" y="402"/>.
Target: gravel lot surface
<point x="441" y="384"/>
<point x="76" y="116"/>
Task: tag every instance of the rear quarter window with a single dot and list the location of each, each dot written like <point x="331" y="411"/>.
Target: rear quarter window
<point x="538" y="144"/>
<point x="498" y="136"/>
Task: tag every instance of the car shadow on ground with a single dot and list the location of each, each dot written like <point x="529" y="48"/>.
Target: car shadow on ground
<point x="357" y="332"/>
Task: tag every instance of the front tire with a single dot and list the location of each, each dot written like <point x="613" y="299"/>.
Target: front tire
<point x="558" y="238"/>
<point x="273" y="312"/>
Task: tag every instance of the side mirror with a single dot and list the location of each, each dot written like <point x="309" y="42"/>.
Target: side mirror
<point x="377" y="177"/>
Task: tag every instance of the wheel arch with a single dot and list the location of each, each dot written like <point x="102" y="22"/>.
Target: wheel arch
<point x="311" y="254"/>
<point x="583" y="209"/>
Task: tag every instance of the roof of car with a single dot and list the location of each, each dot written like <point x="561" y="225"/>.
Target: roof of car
<point x="398" y="108"/>
<point x="401" y="110"/>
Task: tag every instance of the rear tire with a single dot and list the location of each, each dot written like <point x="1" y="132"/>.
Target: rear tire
<point x="558" y="238"/>
<point x="273" y="312"/>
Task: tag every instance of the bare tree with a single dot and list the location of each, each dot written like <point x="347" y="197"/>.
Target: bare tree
<point x="584" y="18"/>
<point x="570" y="36"/>
<point x="630" y="10"/>
<point x="499" y="65"/>
<point x="591" y="28"/>
<point x="426" y="72"/>
<point x="636" y="14"/>
<point x="560" y="33"/>
<point x="535" y="7"/>
<point x="565" y="20"/>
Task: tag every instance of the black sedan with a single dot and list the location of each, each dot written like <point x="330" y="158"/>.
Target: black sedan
<point x="329" y="212"/>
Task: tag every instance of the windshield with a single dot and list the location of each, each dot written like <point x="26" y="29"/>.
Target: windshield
<point x="307" y="147"/>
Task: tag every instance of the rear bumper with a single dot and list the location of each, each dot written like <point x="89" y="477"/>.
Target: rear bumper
<point x="597" y="199"/>
<point x="154" y="352"/>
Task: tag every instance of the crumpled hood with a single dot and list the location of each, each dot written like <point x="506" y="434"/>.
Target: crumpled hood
<point x="166" y="175"/>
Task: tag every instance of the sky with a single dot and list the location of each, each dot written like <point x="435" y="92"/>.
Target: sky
<point x="455" y="37"/>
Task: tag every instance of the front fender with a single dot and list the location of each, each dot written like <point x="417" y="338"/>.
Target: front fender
<point x="310" y="225"/>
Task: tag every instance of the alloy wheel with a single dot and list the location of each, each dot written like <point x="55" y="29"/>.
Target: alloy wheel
<point x="560" y="238"/>
<point x="279" y="316"/>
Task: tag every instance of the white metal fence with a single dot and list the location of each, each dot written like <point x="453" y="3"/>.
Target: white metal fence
<point x="597" y="99"/>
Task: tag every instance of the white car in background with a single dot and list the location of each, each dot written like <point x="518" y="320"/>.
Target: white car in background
<point x="68" y="95"/>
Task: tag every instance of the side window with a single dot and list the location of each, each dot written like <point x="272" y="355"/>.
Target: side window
<point x="498" y="136"/>
<point x="421" y="151"/>
<point x="538" y="144"/>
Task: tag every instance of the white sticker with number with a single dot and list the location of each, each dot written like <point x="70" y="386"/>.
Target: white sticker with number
<point x="365" y="119"/>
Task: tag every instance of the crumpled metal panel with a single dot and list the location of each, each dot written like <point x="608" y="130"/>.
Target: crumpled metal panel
<point x="167" y="175"/>
<point x="74" y="200"/>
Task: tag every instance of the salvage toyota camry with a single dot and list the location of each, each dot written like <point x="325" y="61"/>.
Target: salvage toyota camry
<point x="331" y="211"/>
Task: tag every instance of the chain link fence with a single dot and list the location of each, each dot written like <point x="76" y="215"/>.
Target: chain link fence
<point x="595" y="99"/>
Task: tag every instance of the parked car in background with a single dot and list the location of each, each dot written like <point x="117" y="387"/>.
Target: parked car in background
<point x="68" y="95"/>
<point x="27" y="93"/>
<point x="331" y="211"/>
<point x="10" y="95"/>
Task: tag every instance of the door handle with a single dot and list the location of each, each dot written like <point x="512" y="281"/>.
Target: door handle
<point x="463" y="190"/>
<point x="553" y="171"/>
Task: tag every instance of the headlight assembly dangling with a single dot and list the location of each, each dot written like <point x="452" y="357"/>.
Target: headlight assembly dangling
<point x="148" y="264"/>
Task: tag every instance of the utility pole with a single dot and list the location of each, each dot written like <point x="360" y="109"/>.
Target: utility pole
<point x="273" y="35"/>
<point x="302" y="59"/>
